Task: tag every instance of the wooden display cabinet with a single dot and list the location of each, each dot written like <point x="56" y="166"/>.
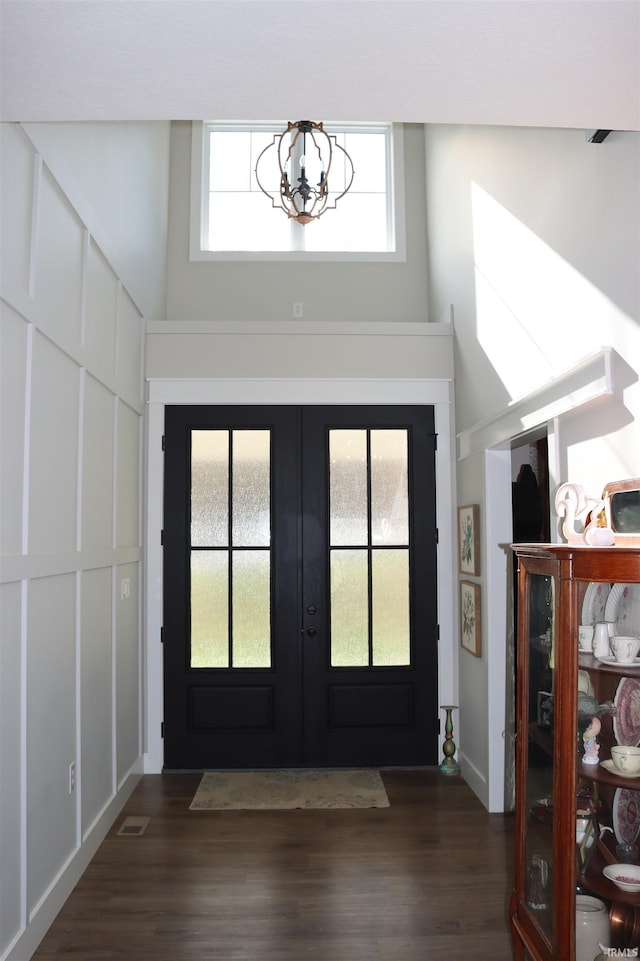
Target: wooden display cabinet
<point x="561" y="587"/>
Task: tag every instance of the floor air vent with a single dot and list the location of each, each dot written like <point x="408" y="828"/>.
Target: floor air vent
<point x="133" y="826"/>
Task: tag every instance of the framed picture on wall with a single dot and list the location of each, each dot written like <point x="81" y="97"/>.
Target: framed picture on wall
<point x="470" y="635"/>
<point x="469" y="540"/>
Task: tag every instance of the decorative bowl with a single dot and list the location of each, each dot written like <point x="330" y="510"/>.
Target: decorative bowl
<point x="624" y="876"/>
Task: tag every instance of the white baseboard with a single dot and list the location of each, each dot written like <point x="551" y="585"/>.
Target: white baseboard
<point x="476" y="781"/>
<point x="49" y="906"/>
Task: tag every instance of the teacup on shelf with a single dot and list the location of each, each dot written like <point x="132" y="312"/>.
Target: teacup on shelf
<point x="624" y="648"/>
<point x="626" y="758"/>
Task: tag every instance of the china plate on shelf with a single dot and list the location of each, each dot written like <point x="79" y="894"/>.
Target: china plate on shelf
<point x="626" y="815"/>
<point x="623" y="608"/>
<point x="611" y="660"/>
<point x="610" y="766"/>
<point x="626" y="720"/>
<point x="594" y="604"/>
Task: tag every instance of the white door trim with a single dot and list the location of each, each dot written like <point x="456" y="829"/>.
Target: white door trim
<point x="161" y="392"/>
<point x="596" y="378"/>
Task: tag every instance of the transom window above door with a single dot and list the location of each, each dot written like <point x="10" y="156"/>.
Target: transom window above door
<point x="232" y="219"/>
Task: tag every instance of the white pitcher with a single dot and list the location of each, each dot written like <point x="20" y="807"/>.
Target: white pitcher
<point x="592" y="927"/>
<point x="601" y="640"/>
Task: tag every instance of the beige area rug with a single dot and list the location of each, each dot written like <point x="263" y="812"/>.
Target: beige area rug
<point x="270" y="790"/>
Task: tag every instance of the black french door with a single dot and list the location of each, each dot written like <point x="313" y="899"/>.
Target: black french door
<point x="300" y="619"/>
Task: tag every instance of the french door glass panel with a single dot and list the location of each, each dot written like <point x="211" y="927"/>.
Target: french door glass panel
<point x="230" y="574"/>
<point x="349" y="608"/>
<point x="209" y="609"/>
<point x="369" y="547"/>
<point x="230" y="548"/>
<point x="390" y="608"/>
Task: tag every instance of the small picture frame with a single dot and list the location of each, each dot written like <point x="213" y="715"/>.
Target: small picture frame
<point x="470" y="634"/>
<point x="468" y="540"/>
<point x="587" y="832"/>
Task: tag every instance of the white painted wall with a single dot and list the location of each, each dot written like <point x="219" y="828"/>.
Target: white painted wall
<point x="266" y="291"/>
<point x="229" y="338"/>
<point x="534" y="238"/>
<point x="70" y="494"/>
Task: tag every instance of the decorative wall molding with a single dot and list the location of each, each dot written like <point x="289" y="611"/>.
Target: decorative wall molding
<point x="587" y="381"/>
<point x="296" y="328"/>
<point x="302" y="390"/>
<point x="17" y="567"/>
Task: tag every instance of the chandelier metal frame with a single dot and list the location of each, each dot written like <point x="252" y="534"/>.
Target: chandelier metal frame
<point x="302" y="200"/>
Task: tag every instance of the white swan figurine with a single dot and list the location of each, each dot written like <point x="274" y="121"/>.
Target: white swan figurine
<point x="573" y="505"/>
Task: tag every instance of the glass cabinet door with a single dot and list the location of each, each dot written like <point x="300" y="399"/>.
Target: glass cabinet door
<point x="539" y="767"/>
<point x="576" y="813"/>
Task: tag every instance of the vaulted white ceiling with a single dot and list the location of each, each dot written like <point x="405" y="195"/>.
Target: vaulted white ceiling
<point x="554" y="63"/>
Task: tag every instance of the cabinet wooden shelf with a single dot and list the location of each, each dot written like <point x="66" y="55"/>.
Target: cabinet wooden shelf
<point x="594" y="880"/>
<point x="559" y="588"/>
<point x="600" y="775"/>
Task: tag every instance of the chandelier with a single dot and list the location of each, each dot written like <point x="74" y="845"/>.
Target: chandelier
<point x="305" y="147"/>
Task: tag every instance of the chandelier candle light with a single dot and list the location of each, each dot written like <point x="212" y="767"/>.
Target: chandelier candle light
<point x="307" y="144"/>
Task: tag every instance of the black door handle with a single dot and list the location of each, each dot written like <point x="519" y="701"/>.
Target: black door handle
<point x="311" y="631"/>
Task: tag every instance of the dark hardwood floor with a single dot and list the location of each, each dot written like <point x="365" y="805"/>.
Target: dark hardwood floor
<point x="427" y="879"/>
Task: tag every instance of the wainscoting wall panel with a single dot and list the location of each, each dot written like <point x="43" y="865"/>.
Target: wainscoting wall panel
<point x="99" y="333"/>
<point x="129" y="355"/>
<point x="53" y="449"/>
<point x="70" y="448"/>
<point x="128" y="674"/>
<point x="13" y="373"/>
<point x="51" y="729"/>
<point x="128" y="460"/>
<point x="58" y="266"/>
<point x="12" y="701"/>
<point x="97" y="465"/>
<point x="96" y="703"/>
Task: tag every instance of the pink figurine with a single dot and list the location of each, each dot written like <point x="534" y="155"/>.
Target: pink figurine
<point x="591" y="746"/>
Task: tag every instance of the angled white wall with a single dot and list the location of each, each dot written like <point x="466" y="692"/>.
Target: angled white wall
<point x="534" y="238"/>
<point x="70" y="449"/>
